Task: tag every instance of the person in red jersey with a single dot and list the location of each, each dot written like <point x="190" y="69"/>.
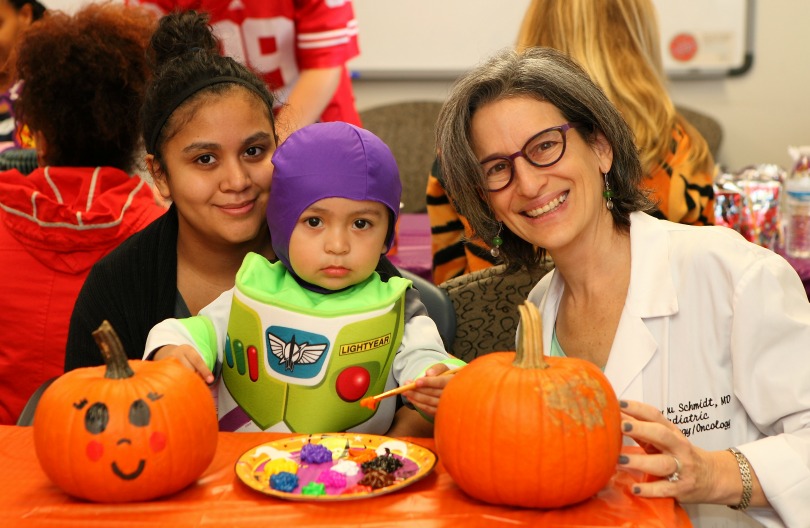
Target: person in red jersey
<point x="299" y="47"/>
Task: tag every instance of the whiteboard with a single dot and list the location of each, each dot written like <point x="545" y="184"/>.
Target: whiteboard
<point x="440" y="39"/>
<point x="706" y="38"/>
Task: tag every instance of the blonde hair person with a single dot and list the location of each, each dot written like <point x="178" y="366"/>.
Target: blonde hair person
<point x="617" y="43"/>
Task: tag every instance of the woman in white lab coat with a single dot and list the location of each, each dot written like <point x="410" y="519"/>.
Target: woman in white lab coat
<point x="704" y="336"/>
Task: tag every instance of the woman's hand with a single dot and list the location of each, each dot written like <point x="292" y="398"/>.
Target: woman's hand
<point x="428" y="389"/>
<point x="189" y="357"/>
<point x="667" y="453"/>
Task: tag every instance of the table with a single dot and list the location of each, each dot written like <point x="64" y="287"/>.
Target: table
<point x="219" y="498"/>
<point x="414" y="251"/>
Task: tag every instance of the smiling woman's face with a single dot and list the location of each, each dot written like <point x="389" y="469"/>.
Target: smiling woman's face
<point x="218" y="168"/>
<point x="549" y="207"/>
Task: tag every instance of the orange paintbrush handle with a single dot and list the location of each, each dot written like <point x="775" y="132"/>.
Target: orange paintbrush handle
<point x="371" y="401"/>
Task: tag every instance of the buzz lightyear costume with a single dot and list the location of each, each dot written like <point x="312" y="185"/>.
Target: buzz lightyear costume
<point x="289" y="355"/>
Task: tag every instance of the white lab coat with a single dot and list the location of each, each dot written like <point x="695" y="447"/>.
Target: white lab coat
<point x="715" y="332"/>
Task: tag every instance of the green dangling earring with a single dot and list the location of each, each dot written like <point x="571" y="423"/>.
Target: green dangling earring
<point x="608" y="194"/>
<point x="497" y="242"/>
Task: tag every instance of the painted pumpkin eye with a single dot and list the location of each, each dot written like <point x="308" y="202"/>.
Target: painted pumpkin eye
<point x="139" y="413"/>
<point x="96" y="418"/>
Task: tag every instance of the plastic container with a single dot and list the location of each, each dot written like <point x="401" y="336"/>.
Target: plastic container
<point x="796" y="216"/>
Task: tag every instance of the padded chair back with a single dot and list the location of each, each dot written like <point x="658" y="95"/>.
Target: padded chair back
<point x="408" y="128"/>
<point x="438" y="304"/>
<point x="486" y="305"/>
<point x="27" y="415"/>
<point x="709" y="127"/>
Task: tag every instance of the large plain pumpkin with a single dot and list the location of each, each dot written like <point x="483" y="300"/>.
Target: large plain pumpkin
<point x="127" y="431"/>
<point x="526" y="430"/>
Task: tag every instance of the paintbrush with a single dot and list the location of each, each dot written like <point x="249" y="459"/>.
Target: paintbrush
<point x="372" y="401"/>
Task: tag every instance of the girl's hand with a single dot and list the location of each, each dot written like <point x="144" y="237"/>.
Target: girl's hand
<point x="189" y="357"/>
<point x="678" y="468"/>
<point x="428" y="389"/>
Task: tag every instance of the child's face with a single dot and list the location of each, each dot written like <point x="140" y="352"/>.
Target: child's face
<point x="337" y="242"/>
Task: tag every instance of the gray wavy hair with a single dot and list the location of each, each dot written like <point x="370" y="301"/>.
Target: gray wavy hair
<point x="547" y="75"/>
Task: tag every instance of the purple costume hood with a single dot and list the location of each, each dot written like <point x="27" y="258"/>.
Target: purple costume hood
<point x="328" y="160"/>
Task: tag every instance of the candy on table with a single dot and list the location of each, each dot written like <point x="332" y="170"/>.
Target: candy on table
<point x="357" y="489"/>
<point x="278" y="465"/>
<point x="377" y="478"/>
<point x="387" y="462"/>
<point x="748" y="202"/>
<point x="361" y="455"/>
<point x="284" y="481"/>
<point x="346" y="467"/>
<point x="332" y="479"/>
<point x="315" y="454"/>
<point x="314" y="488"/>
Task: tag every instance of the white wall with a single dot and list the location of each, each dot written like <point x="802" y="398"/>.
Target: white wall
<point x="762" y="112"/>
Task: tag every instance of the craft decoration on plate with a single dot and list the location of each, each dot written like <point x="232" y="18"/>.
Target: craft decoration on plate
<point x="333" y="466"/>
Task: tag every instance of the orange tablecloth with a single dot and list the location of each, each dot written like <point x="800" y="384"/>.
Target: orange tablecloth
<point x="219" y="498"/>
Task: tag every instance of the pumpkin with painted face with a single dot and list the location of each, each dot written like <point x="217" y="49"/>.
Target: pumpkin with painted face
<point x="128" y="431"/>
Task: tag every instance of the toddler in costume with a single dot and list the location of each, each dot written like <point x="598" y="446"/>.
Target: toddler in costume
<point x="297" y="343"/>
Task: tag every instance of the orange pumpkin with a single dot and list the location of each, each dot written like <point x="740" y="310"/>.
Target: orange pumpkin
<point x="127" y="431"/>
<point x="526" y="430"/>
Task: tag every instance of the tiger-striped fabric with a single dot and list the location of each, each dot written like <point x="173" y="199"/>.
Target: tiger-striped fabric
<point x="685" y="194"/>
<point x="456" y="249"/>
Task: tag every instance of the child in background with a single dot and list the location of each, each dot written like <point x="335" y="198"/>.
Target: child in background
<point x="299" y="47"/>
<point x="15" y="17"/>
<point x="301" y="341"/>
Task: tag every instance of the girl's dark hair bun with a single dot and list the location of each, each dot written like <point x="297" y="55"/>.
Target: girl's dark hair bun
<point x="180" y="33"/>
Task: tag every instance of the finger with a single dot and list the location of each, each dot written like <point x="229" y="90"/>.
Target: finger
<point x="642" y="411"/>
<point x="658" y="465"/>
<point x="662" y="437"/>
<point x="422" y="400"/>
<point x="198" y="364"/>
<point x="437" y="369"/>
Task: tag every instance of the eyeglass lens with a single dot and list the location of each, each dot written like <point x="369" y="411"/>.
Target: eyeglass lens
<point x="542" y="150"/>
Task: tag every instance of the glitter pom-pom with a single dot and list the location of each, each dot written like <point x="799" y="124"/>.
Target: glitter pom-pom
<point x="377" y="478"/>
<point x="387" y="462"/>
<point x="314" y="488"/>
<point x="284" y="481"/>
<point x="357" y="488"/>
<point x="332" y="479"/>
<point x="273" y="467"/>
<point x="315" y="454"/>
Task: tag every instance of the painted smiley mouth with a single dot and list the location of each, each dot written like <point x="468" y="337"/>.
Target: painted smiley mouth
<point x="129" y="476"/>
<point x="550" y="206"/>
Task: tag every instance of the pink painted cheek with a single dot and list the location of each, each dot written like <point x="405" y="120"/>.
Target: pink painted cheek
<point x="157" y="441"/>
<point x="95" y="450"/>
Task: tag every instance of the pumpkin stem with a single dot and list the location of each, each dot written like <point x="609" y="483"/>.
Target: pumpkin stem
<point x="530" y="339"/>
<point x="113" y="352"/>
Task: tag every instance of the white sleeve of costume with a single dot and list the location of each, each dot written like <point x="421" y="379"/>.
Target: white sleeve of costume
<point x="421" y="346"/>
<point x="192" y="330"/>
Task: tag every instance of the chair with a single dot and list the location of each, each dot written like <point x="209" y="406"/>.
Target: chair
<point x="24" y="160"/>
<point x="486" y="307"/>
<point x="438" y="304"/>
<point x="709" y="127"/>
<point x="408" y="129"/>
<point x="27" y="415"/>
